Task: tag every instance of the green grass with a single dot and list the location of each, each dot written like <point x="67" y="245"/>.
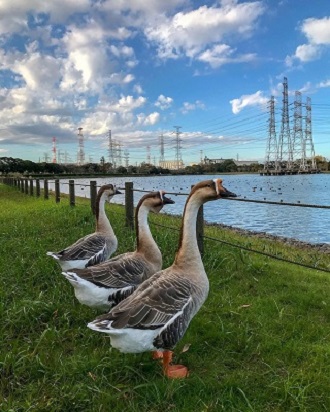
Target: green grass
<point x="261" y="342"/>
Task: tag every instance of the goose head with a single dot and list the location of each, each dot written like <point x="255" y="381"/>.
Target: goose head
<point x="155" y="201"/>
<point x="108" y="191"/>
<point x="211" y="190"/>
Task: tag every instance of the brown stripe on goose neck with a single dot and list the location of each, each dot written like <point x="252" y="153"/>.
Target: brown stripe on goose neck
<point x="148" y="195"/>
<point x="98" y="197"/>
<point x="193" y="190"/>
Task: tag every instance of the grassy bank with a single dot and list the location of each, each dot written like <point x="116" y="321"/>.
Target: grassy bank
<point x="260" y="342"/>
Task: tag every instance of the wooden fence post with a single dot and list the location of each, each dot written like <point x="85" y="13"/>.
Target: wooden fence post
<point x="200" y="229"/>
<point x="129" y="204"/>
<point x="57" y="191"/>
<point x="19" y="184"/>
<point x="93" y="194"/>
<point x="26" y="191"/>
<point x="46" y="191"/>
<point x="37" y="187"/>
<point x="31" y="187"/>
<point x="71" y="193"/>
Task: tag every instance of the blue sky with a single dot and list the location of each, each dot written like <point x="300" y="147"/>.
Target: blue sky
<point x="141" y="67"/>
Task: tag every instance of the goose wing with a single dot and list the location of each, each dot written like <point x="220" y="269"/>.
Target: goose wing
<point x="92" y="247"/>
<point x="160" y="302"/>
<point x="116" y="273"/>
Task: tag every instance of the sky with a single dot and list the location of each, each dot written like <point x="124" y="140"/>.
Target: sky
<point x="150" y="68"/>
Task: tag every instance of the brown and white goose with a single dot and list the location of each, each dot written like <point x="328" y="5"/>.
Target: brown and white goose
<point x="156" y="316"/>
<point x="105" y="285"/>
<point x="96" y="247"/>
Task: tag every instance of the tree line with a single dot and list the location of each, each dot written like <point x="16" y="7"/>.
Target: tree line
<point x="10" y="165"/>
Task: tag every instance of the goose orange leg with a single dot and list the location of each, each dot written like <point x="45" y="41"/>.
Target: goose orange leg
<point x="173" y="371"/>
<point x="157" y="354"/>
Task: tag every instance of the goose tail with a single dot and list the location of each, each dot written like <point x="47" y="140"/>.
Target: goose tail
<point x="53" y="254"/>
<point x="72" y="277"/>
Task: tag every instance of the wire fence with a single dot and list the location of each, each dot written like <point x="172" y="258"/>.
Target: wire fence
<point x="32" y="187"/>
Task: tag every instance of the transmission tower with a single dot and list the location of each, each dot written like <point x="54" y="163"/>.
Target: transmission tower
<point x="46" y="157"/>
<point x="111" y="150"/>
<point x="118" y="153"/>
<point x="178" y="156"/>
<point x="272" y="148"/>
<point x="66" y="157"/>
<point x="284" y="145"/>
<point x="309" y="145"/>
<point x="59" y="156"/>
<point x="54" y="150"/>
<point x="298" y="146"/>
<point x="162" y="151"/>
<point x="81" y="150"/>
<point x="126" y="157"/>
<point x="148" y="159"/>
<point x="201" y="159"/>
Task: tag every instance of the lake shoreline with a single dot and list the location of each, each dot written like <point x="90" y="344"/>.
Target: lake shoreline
<point x="319" y="247"/>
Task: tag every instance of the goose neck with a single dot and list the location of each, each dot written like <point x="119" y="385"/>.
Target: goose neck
<point x="145" y="241"/>
<point x="188" y="252"/>
<point x="102" y="221"/>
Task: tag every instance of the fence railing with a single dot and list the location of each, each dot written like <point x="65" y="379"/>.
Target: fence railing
<point x="27" y="186"/>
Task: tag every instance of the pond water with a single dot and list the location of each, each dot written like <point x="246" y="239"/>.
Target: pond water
<point x="306" y="224"/>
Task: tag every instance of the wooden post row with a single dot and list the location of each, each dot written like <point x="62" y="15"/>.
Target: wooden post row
<point x="93" y="193"/>
<point x="46" y="192"/>
<point x="129" y="204"/>
<point x="37" y="187"/>
<point x="71" y="193"/>
<point x="31" y="187"/>
<point x="26" y="186"/>
<point x="57" y="191"/>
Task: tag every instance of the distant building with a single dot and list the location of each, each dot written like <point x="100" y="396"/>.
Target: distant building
<point x="241" y="164"/>
<point x="171" y="164"/>
<point x="208" y="161"/>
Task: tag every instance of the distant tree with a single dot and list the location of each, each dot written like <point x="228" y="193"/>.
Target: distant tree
<point x="122" y="170"/>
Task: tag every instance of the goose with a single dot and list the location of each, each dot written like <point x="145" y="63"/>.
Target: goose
<point x="157" y="314"/>
<point x="105" y="285"/>
<point x="95" y="247"/>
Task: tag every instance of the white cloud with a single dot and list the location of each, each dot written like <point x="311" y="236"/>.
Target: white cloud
<point x="325" y="83"/>
<point x="188" y="107"/>
<point x="164" y="102"/>
<point x="148" y="120"/>
<point x="128" y="103"/>
<point x="317" y="30"/>
<point x="304" y="53"/>
<point x="13" y="14"/>
<point x="191" y="32"/>
<point x="222" y="54"/>
<point x="255" y="99"/>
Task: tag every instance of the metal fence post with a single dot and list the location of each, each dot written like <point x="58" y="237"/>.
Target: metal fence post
<point x="93" y="194"/>
<point x="46" y="192"/>
<point x="71" y="193"/>
<point x="57" y="191"/>
<point x="129" y="204"/>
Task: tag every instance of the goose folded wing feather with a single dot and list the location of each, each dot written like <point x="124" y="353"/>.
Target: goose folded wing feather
<point x="115" y="274"/>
